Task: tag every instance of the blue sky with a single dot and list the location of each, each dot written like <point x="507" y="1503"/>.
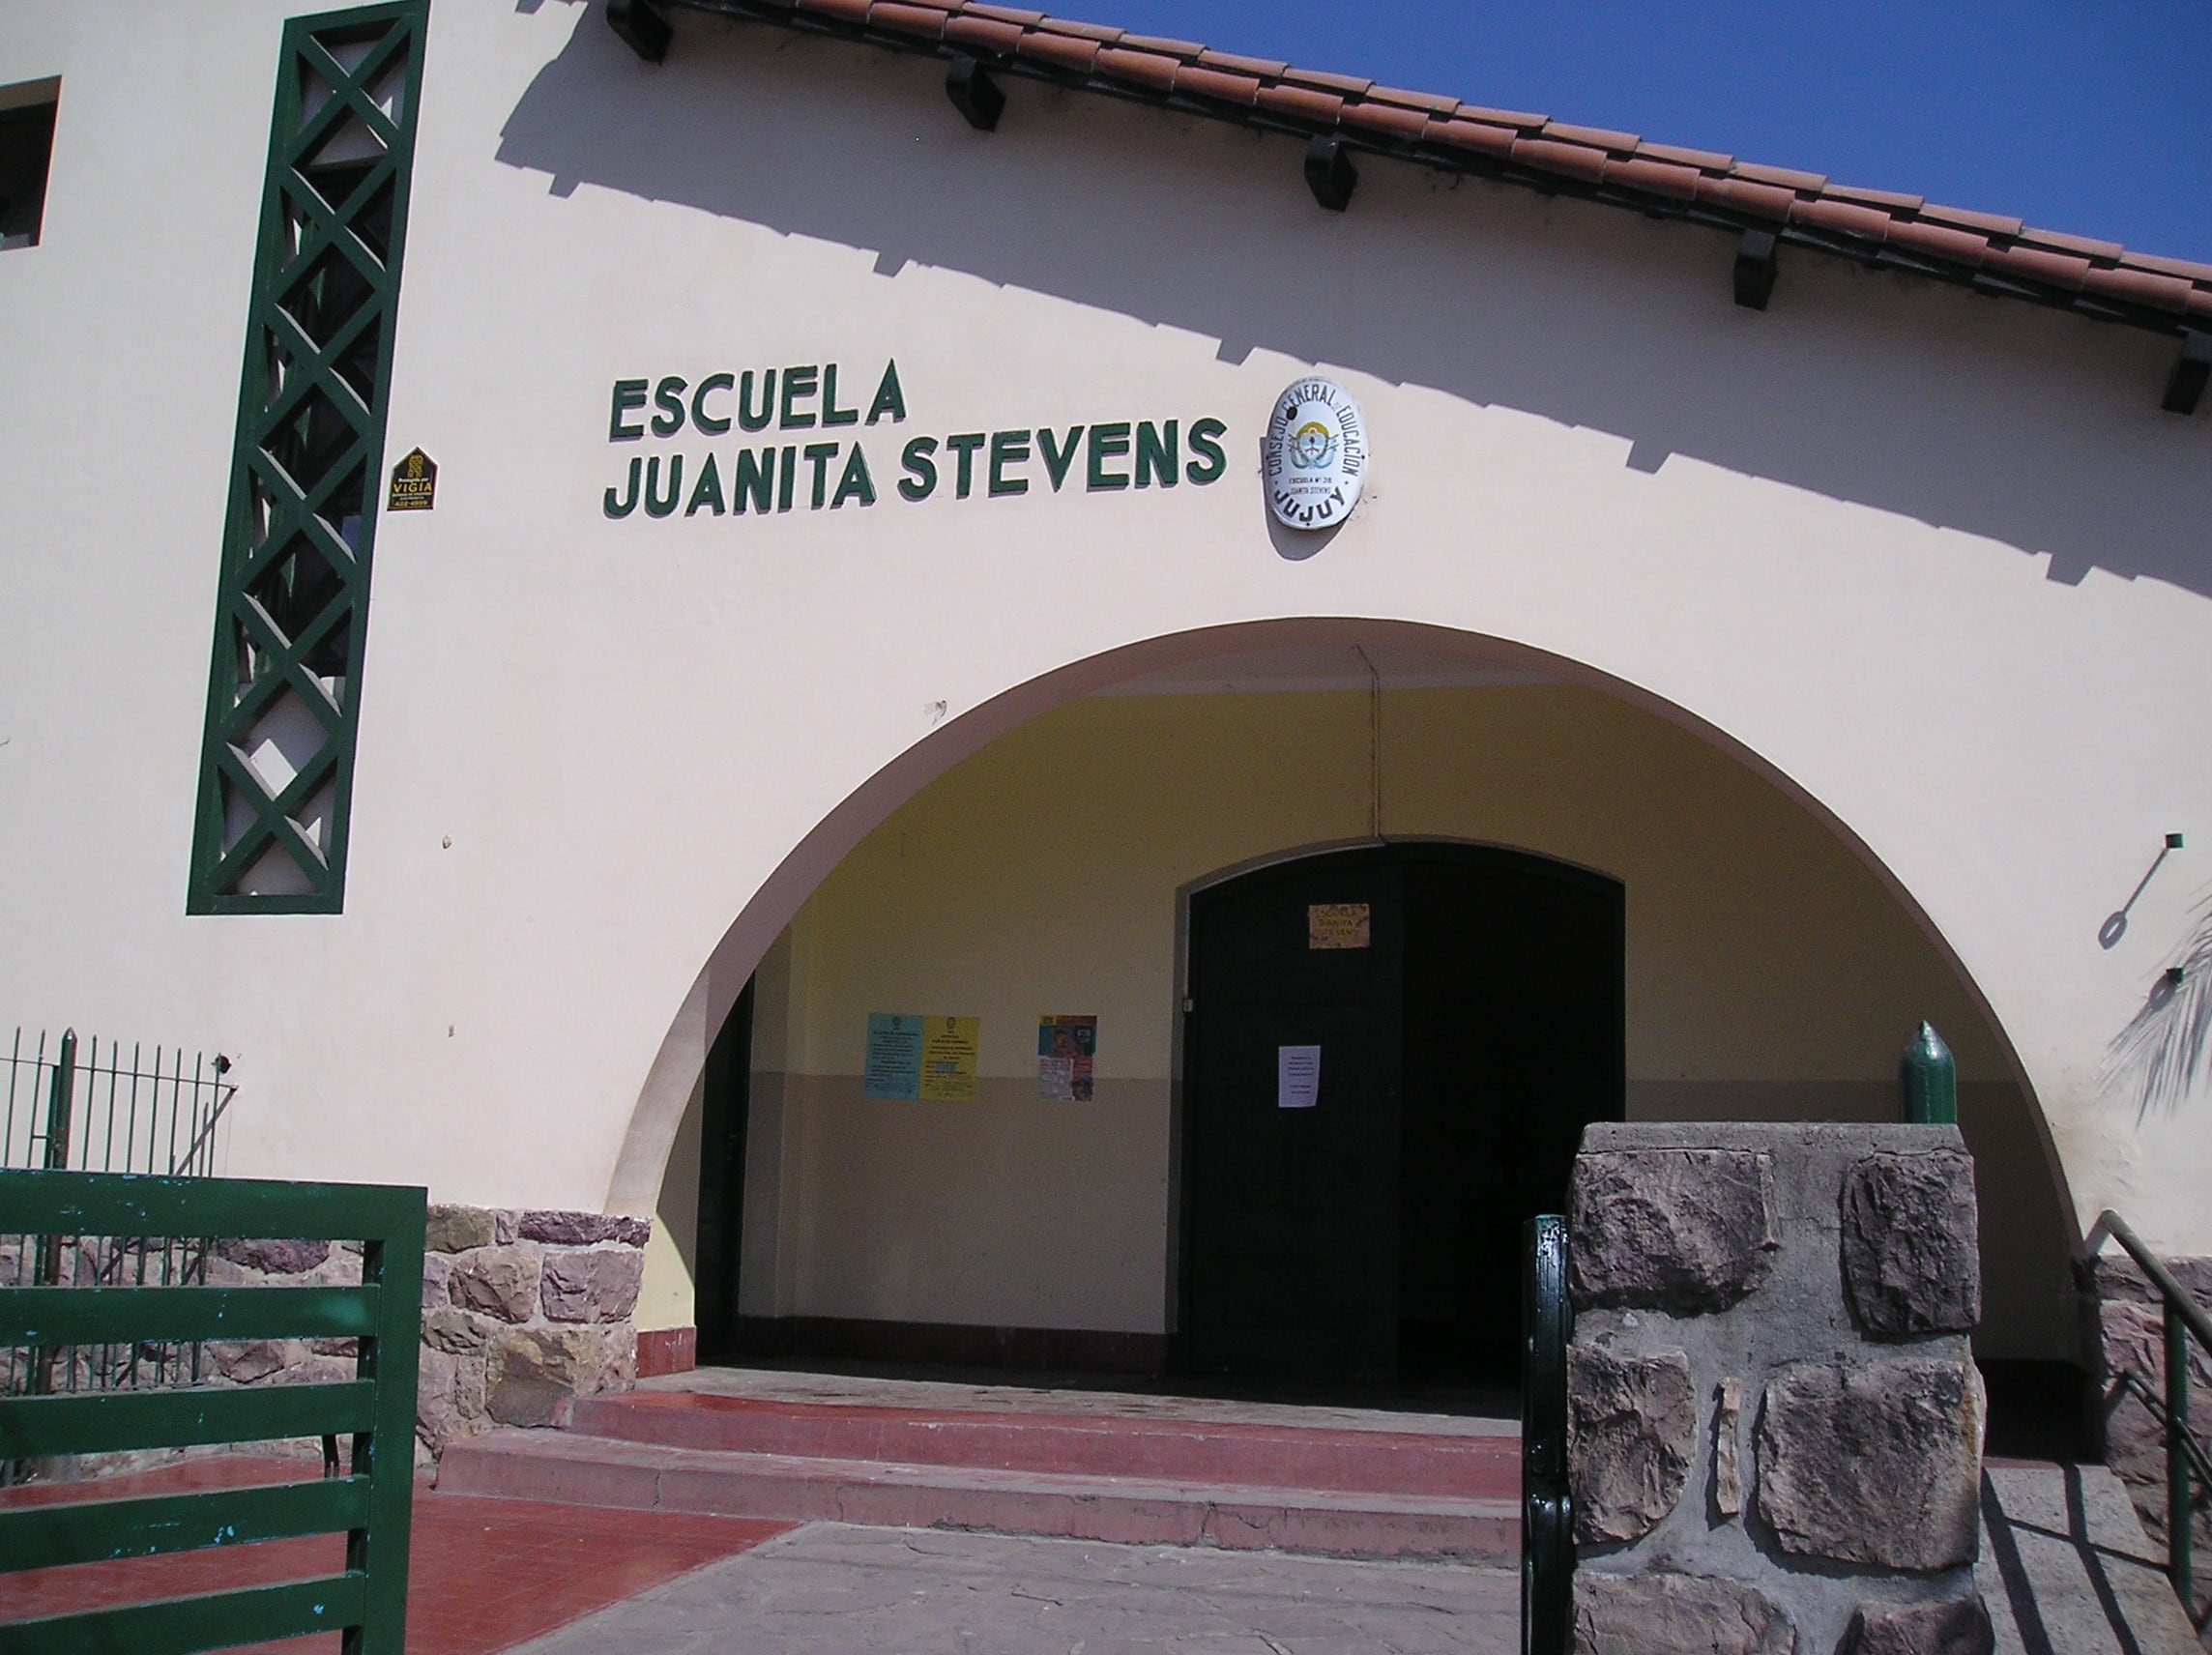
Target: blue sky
<point x="2095" y="119"/>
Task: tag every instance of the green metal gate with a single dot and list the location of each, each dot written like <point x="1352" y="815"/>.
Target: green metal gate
<point x="367" y="1498"/>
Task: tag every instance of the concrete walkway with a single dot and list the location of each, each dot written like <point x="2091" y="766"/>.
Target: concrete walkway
<point x="832" y="1589"/>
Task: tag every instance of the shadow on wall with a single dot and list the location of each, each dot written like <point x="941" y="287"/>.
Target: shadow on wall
<point x="1885" y="389"/>
<point x="2157" y="1061"/>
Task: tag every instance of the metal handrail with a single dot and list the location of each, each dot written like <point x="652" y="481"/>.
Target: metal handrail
<point x="2184" y="1319"/>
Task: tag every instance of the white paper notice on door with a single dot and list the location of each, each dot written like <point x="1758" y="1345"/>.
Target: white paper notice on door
<point x="1298" y="1076"/>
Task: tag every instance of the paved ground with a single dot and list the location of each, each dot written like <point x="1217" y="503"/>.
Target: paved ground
<point x="830" y="1589"/>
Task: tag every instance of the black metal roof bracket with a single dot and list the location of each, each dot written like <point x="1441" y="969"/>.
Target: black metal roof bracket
<point x="2184" y="386"/>
<point x="1755" y="269"/>
<point x="643" y="26"/>
<point x="975" y="94"/>
<point x="1330" y="172"/>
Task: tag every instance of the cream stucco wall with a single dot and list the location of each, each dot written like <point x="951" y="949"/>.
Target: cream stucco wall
<point x="1769" y="974"/>
<point x="1935" y="566"/>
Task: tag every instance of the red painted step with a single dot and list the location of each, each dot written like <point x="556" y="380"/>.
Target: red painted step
<point x="1085" y="1467"/>
<point x="604" y="1472"/>
<point x="1471" y="1467"/>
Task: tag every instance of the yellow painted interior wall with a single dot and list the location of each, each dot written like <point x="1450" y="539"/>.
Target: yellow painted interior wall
<point x="1769" y="974"/>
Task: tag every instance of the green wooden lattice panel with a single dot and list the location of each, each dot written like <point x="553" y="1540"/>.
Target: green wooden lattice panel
<point x="276" y="779"/>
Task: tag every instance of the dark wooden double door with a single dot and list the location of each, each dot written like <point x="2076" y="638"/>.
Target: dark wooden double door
<point x="1463" y="1044"/>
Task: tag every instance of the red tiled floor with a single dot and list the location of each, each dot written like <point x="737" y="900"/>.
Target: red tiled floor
<point x="484" y="1574"/>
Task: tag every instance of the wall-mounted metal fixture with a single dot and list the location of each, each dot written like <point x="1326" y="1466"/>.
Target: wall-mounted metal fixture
<point x="2184" y="386"/>
<point x="643" y="26"/>
<point x="2173" y="841"/>
<point x="1755" y="269"/>
<point x="975" y="94"/>
<point x="1329" y="173"/>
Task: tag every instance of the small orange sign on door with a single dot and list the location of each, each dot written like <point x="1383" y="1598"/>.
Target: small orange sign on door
<point x="1336" y="925"/>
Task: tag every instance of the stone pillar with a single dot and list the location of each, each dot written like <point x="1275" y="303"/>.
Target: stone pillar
<point x="1774" y="1418"/>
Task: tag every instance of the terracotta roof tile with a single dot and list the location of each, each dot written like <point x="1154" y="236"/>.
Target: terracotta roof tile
<point x="2189" y="270"/>
<point x="1302" y="103"/>
<point x="911" y="18"/>
<point x="1348" y="84"/>
<point x="1374" y="117"/>
<point x="1988" y="223"/>
<point x="1939" y="241"/>
<point x="1088" y="31"/>
<point x="1786" y="177"/>
<point x="1264" y="66"/>
<point x="1745" y="195"/>
<point x="1473" y="136"/>
<point x="1154" y="44"/>
<point x="1845" y="216"/>
<point x="1152" y="69"/>
<point x="1433" y="102"/>
<point x="1624" y="142"/>
<point x="983" y="34"/>
<point x="1706" y="161"/>
<point x="2086" y="245"/>
<point x="1577" y="161"/>
<point x="2060" y="270"/>
<point x="1649" y="174"/>
<point x="1196" y="81"/>
<point x="2139" y="287"/>
<point x="1065" y="51"/>
<point x="1874" y="197"/>
<point x="1661" y="178"/>
<point x="1504" y="117"/>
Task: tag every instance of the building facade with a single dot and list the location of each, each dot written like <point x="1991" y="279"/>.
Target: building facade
<point x="829" y="746"/>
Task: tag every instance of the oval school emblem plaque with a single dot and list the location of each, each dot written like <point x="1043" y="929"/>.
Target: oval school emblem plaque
<point x="1317" y="455"/>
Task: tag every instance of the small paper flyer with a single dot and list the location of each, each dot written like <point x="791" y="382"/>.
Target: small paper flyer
<point x="892" y="1066"/>
<point x="1066" y="1049"/>
<point x="948" y="1047"/>
<point x="1298" y="1077"/>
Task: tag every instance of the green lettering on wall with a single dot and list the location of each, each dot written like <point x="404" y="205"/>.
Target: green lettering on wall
<point x="1157" y="454"/>
<point x="1207" y="460"/>
<point x="668" y="397"/>
<point x="752" y="478"/>
<point x="965" y="445"/>
<point x="655" y="506"/>
<point x="1107" y="442"/>
<point x="831" y="414"/>
<point x="630" y="393"/>
<point x="920" y="483"/>
<point x="703" y="421"/>
<point x="798" y="383"/>
<point x="708" y="490"/>
<point x="819" y="456"/>
<point x="1009" y="448"/>
<point x="628" y="502"/>
<point x="789" y="471"/>
<point x="889" y="398"/>
<point x="748" y="417"/>
<point x="1058" y="460"/>
<point x="854" y="483"/>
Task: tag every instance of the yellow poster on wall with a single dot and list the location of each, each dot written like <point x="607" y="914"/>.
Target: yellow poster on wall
<point x="949" y="1060"/>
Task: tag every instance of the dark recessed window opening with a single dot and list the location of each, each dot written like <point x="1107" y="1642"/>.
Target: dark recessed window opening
<point x="27" y="150"/>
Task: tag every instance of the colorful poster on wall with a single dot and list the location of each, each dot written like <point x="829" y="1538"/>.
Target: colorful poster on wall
<point x="948" y="1059"/>
<point x="1336" y="925"/>
<point x="1066" y="1049"/>
<point x="1298" y="1077"/>
<point x="892" y="1067"/>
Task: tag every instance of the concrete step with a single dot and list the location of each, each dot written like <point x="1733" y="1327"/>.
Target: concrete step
<point x="2067" y="1570"/>
<point x="585" y="1469"/>
<point x="1483" y="1464"/>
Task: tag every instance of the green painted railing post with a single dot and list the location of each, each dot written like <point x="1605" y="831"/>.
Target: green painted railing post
<point x="1930" y="1080"/>
<point x="1547" y="1511"/>
<point x="59" y="1100"/>
<point x="2180" y="1510"/>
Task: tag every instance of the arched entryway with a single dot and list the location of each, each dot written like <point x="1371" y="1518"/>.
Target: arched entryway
<point x="1388" y="1056"/>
